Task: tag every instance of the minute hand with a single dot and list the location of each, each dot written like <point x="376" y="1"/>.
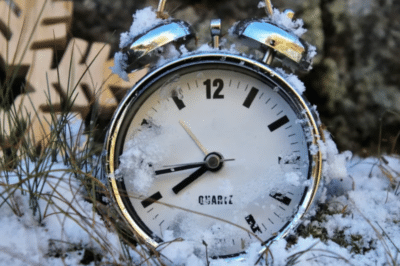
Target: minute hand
<point x="181" y="167"/>
<point x="190" y="133"/>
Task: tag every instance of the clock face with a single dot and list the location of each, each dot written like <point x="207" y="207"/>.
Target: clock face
<point x="213" y="152"/>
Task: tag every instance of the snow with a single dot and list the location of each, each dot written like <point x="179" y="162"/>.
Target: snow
<point x="140" y="157"/>
<point x="146" y="18"/>
<point x="261" y="4"/>
<point x="293" y="80"/>
<point x="280" y="19"/>
<point x="120" y="64"/>
<point x="362" y="196"/>
<point x="65" y="219"/>
<point x="294" y="26"/>
<point x="312" y="52"/>
<point x="143" y="20"/>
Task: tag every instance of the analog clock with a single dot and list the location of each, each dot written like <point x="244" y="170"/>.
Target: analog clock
<point x="213" y="147"/>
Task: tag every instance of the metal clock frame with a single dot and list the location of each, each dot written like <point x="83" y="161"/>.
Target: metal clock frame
<point x="313" y="126"/>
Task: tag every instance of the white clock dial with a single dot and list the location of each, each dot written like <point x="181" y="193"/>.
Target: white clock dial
<point x="214" y="152"/>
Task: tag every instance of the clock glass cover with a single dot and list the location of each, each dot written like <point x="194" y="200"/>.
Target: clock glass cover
<point x="213" y="148"/>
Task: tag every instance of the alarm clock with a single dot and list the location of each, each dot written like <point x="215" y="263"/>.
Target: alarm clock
<point x="214" y="146"/>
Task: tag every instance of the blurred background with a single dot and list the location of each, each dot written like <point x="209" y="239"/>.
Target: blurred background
<point x="355" y="81"/>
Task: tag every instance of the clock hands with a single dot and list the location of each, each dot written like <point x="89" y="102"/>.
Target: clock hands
<point x="187" y="129"/>
<point x="213" y="162"/>
<point x="178" y="167"/>
<point x="190" y="179"/>
<point x="181" y="167"/>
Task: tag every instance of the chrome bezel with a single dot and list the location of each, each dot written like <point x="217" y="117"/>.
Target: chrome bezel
<point x="312" y="124"/>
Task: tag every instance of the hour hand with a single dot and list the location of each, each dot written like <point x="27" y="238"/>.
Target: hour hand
<point x="190" y="179"/>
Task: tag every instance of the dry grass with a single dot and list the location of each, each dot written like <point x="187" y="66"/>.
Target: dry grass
<point x="26" y="170"/>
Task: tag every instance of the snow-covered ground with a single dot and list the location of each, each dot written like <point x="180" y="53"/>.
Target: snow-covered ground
<point x="357" y="222"/>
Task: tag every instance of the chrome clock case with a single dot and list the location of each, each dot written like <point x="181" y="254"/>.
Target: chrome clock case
<point x="259" y="34"/>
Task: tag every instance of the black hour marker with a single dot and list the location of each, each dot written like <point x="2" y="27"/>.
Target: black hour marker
<point x="295" y="160"/>
<point x="279" y="197"/>
<point x="278" y="123"/>
<point x="178" y="102"/>
<point x="150" y="200"/>
<point x="144" y="122"/>
<point x="253" y="225"/>
<point x="250" y="97"/>
<point x="264" y="227"/>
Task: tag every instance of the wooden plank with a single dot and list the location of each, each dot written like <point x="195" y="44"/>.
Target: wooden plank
<point x="83" y="72"/>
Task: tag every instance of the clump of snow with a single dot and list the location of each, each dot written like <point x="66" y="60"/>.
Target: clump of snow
<point x="335" y="162"/>
<point x="138" y="160"/>
<point x="169" y="52"/>
<point x="312" y="52"/>
<point x="313" y="149"/>
<point x="143" y="20"/>
<point x="293" y="80"/>
<point x="261" y="4"/>
<point x="280" y="19"/>
<point x="294" y="26"/>
<point x="120" y="64"/>
<point x="206" y="48"/>
<point x="293" y="178"/>
<point x="171" y="89"/>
